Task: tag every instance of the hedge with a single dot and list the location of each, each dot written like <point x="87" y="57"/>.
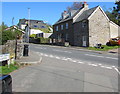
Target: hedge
<point x="44" y="40"/>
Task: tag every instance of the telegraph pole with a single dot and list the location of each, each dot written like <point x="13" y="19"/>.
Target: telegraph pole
<point x="12" y="21"/>
<point x="28" y="23"/>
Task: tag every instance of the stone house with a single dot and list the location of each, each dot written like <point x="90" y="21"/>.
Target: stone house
<point x="84" y="27"/>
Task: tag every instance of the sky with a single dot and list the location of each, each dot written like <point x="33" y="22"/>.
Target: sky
<point x="49" y="12"/>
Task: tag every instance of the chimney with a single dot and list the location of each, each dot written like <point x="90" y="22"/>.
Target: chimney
<point x="64" y="14"/>
<point x="85" y="6"/>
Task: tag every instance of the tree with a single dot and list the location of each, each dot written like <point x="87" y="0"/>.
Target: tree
<point x="9" y="34"/>
<point x="75" y="6"/>
<point x="115" y="14"/>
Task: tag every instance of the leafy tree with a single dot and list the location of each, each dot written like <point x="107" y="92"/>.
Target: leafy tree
<point x="115" y="14"/>
<point x="9" y="34"/>
<point x="75" y="6"/>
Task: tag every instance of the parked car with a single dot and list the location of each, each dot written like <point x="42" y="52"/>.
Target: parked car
<point x="5" y="84"/>
<point x="114" y="41"/>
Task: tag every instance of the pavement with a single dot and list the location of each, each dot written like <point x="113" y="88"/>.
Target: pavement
<point x="32" y="58"/>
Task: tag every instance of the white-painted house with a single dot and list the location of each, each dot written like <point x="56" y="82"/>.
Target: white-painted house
<point x="114" y="30"/>
<point x="35" y="28"/>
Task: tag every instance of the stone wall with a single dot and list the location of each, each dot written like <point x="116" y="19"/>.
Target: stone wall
<point x="9" y="47"/>
<point x="99" y="29"/>
<point x="79" y="32"/>
<point x="65" y="31"/>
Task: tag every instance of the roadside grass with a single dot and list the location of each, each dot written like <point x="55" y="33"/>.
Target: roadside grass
<point x="8" y="69"/>
<point x="106" y="48"/>
<point x="12" y="67"/>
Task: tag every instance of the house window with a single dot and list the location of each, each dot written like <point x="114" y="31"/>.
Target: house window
<point x="83" y="24"/>
<point x="56" y="28"/>
<point x="42" y="26"/>
<point x="66" y="37"/>
<point x="61" y="27"/>
<point x="35" y="26"/>
<point x="66" y="25"/>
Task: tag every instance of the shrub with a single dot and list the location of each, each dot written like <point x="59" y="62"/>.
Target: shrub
<point x="33" y="35"/>
<point x="44" y="40"/>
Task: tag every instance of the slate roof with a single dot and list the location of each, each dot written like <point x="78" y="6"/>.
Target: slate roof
<point x="67" y="18"/>
<point x="83" y="16"/>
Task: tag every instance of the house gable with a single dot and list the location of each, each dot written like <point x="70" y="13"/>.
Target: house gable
<point x="101" y="11"/>
<point x="99" y="28"/>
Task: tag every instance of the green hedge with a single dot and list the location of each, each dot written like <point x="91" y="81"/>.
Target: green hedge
<point x="33" y="35"/>
<point x="44" y="40"/>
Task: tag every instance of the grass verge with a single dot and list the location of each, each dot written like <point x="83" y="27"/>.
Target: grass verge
<point x="106" y="48"/>
<point x="6" y="70"/>
<point x="12" y="67"/>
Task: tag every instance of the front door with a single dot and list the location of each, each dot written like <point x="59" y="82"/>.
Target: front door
<point x="84" y="43"/>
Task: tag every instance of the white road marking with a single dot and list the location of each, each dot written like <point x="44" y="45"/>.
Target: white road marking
<point x="101" y="56"/>
<point x="62" y="51"/>
<point x="117" y="70"/>
<point x="93" y="65"/>
<point x="45" y="55"/>
<point x="64" y="59"/>
<point x="57" y="57"/>
<point x="40" y="48"/>
<point x="80" y="62"/>
<point x="74" y="61"/>
<point x="113" y="66"/>
<point x="51" y="56"/>
<point x="109" y="67"/>
<point x="106" y="67"/>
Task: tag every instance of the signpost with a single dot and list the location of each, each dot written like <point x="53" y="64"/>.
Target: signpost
<point x="5" y="57"/>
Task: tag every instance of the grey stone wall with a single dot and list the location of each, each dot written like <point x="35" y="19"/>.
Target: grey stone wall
<point x="9" y="47"/>
<point x="65" y="31"/>
<point x="99" y="30"/>
<point x="80" y="31"/>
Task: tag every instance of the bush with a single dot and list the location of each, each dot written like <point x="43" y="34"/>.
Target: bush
<point x="33" y="35"/>
<point x="7" y="35"/>
<point x="44" y="40"/>
<point x="10" y="35"/>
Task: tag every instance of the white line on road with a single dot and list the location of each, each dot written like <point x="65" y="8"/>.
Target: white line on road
<point x="40" y="48"/>
<point x="101" y="56"/>
<point x="117" y="70"/>
<point x="93" y="65"/>
<point x="106" y="67"/>
<point x="57" y="57"/>
<point x="80" y="62"/>
<point x="45" y="55"/>
<point x="62" y="51"/>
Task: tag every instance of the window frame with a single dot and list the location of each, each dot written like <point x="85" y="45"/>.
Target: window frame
<point x="56" y="28"/>
<point x="66" y="25"/>
<point x="62" y="26"/>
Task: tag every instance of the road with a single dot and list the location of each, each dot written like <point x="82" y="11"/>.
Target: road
<point x="68" y="70"/>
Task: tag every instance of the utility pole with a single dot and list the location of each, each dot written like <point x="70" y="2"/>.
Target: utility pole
<point x="12" y="21"/>
<point x="28" y="24"/>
